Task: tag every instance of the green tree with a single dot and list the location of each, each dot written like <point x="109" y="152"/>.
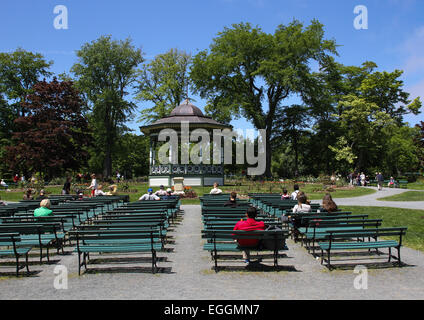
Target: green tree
<point x="19" y="72"/>
<point x="164" y="82"/>
<point x="132" y="158"/>
<point x="105" y="71"/>
<point x="250" y="73"/>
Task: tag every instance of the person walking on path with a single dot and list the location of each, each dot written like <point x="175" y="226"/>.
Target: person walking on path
<point x="380" y="181"/>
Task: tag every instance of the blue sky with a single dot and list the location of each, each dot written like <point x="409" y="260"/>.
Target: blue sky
<point x="394" y="38"/>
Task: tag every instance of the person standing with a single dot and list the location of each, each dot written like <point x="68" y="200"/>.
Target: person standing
<point x="93" y="186"/>
<point x="362" y="179"/>
<point x="380" y="181"/>
<point x="67" y="186"/>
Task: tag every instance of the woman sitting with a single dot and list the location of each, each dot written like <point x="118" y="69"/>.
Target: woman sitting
<point x="44" y="210"/>
<point x="99" y="191"/>
<point x="328" y="205"/>
<point x="285" y="195"/>
<point x="302" y="204"/>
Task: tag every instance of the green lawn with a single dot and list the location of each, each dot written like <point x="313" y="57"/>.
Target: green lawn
<point x="135" y="190"/>
<point x="419" y="185"/>
<point x="395" y="217"/>
<point x="406" y="196"/>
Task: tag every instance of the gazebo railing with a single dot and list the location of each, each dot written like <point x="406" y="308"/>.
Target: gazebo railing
<point x="186" y="169"/>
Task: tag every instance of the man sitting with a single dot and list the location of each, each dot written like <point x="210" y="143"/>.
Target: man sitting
<point x="149" y="196"/>
<point x="169" y="195"/>
<point x="249" y="225"/>
<point x="233" y="200"/>
<point x="215" y="189"/>
<point x="161" y="191"/>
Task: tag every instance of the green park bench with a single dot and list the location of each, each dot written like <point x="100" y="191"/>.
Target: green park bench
<point x="341" y="240"/>
<point x="317" y="230"/>
<point x="18" y="250"/>
<point x="116" y="241"/>
<point x="42" y="235"/>
<point x="225" y="241"/>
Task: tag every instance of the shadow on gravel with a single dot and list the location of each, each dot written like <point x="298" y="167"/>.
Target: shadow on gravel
<point x="260" y="256"/>
<point x="146" y="269"/>
<point x="370" y="265"/>
<point x="22" y="274"/>
<point x="125" y="260"/>
<point x="258" y="267"/>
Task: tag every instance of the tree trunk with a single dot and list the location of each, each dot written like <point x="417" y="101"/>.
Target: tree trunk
<point x="268" y="153"/>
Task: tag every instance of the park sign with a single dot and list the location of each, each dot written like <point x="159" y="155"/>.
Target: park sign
<point x="188" y="144"/>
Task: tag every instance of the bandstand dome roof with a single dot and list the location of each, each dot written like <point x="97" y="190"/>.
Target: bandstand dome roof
<point x="185" y="112"/>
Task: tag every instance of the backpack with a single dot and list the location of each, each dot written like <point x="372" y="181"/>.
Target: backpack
<point x="269" y="244"/>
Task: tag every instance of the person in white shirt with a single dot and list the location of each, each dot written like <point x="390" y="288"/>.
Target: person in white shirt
<point x="161" y="191"/>
<point x="295" y="192"/>
<point x="362" y="179"/>
<point x="3" y="183"/>
<point x="301" y="206"/>
<point x="215" y="189"/>
<point x="149" y="196"/>
<point x="99" y="191"/>
<point x="93" y="186"/>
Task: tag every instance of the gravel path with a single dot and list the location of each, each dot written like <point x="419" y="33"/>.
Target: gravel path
<point x="186" y="273"/>
<point x="371" y="200"/>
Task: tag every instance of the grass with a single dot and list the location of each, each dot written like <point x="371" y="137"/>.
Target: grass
<point x="405" y="196"/>
<point x="396" y="217"/>
<point x="314" y="191"/>
<point x="419" y="185"/>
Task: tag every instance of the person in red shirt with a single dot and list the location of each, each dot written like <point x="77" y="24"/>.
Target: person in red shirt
<point x="249" y="225"/>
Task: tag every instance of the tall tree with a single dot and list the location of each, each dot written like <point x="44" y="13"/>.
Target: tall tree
<point x="105" y="70"/>
<point x="53" y="136"/>
<point x="19" y="71"/>
<point x="164" y="82"/>
<point x="250" y="73"/>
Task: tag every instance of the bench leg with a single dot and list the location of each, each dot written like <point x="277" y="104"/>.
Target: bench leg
<point x="390" y="254"/>
<point x="399" y="261"/>
<point x="17" y="265"/>
<point x="79" y="263"/>
<point x="41" y="253"/>
<point x="216" y="260"/>
<point x="328" y="260"/>
<point x="48" y="256"/>
<point x="26" y="262"/>
<point x="154" y="267"/>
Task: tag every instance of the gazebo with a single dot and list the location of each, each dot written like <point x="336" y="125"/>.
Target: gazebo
<point x="193" y="174"/>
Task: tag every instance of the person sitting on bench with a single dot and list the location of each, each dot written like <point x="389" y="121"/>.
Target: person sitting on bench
<point x="169" y="195"/>
<point x="285" y="195"/>
<point x="249" y="225"/>
<point x="233" y="200"/>
<point x="41" y="196"/>
<point x="215" y="189"/>
<point x="149" y="196"/>
<point x="328" y="205"/>
<point x="44" y="210"/>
